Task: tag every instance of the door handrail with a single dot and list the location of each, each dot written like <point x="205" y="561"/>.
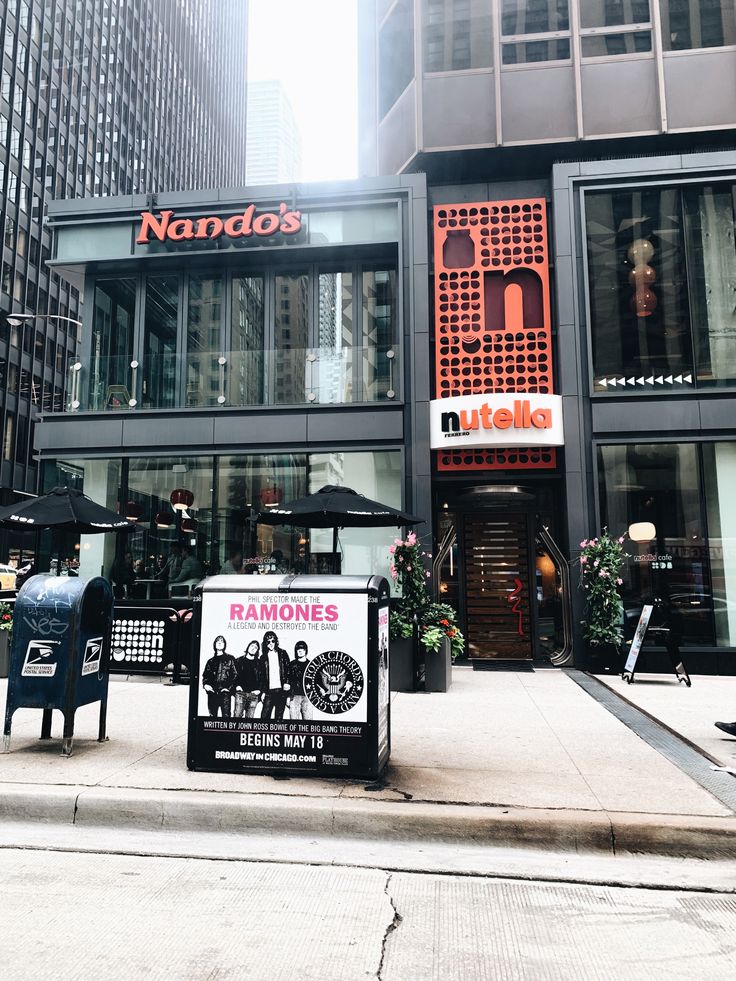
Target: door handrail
<point x="448" y="540"/>
<point x="562" y="657"/>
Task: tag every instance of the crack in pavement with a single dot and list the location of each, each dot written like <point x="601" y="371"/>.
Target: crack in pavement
<point x="393" y="925"/>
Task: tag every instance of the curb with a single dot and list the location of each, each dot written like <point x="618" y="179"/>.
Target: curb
<point x="558" y="831"/>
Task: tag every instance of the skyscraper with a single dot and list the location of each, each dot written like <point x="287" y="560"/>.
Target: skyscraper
<point x="98" y="97"/>
<point x="274" y="141"/>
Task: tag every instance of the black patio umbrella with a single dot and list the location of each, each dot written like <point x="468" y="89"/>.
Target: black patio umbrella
<point x="336" y="507"/>
<point x="63" y="509"/>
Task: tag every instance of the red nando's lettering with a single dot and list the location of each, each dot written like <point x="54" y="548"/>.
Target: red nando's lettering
<point x="242" y="225"/>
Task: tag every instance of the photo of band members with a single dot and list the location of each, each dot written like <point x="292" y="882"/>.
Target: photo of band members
<point x="263" y="682"/>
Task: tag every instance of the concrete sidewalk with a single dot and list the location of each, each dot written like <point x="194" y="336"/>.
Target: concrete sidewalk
<point x="507" y="758"/>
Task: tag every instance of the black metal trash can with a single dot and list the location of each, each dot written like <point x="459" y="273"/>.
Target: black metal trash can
<point x="290" y="675"/>
<point x="60" y="654"/>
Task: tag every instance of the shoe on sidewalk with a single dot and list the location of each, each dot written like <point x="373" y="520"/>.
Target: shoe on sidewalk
<point x="729" y="727"/>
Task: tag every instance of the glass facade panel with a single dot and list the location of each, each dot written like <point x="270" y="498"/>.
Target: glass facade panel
<point x="719" y="477"/>
<point x="246" y="342"/>
<point x="638" y="295"/>
<point x="660" y="483"/>
<point x="697" y="24"/>
<point x="334" y="381"/>
<point x="379" y="333"/>
<point x="602" y="45"/>
<point x="525" y="52"/>
<point x="291" y="337"/>
<point x="112" y="344"/>
<point x="228" y="491"/>
<point x="710" y="221"/>
<point x="150" y="482"/>
<point x="613" y="13"/>
<point x="534" y="16"/>
<point x="662" y="273"/>
<point x="456" y="35"/>
<point x="204" y="345"/>
<point x="395" y="55"/>
<point x="160" y="342"/>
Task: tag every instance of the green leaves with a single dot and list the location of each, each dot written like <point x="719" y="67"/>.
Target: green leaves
<point x="601" y="560"/>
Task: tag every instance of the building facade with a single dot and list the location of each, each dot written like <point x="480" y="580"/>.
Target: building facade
<point x="248" y="349"/>
<point x="121" y="97"/>
<point x="274" y="154"/>
<point x="581" y="183"/>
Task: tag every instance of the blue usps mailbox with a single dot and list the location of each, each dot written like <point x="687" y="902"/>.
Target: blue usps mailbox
<point x="60" y="652"/>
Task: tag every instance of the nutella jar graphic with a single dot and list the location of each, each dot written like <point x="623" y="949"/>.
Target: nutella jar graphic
<point x="458" y="249"/>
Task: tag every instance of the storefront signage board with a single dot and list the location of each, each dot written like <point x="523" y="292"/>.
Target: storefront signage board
<point x="166" y="226"/>
<point x="517" y="419"/>
<point x="317" y="699"/>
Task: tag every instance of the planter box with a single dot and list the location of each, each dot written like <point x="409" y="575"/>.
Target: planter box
<point x="4" y="654"/>
<point x="401" y="664"/>
<point x="604" y="659"/>
<point x="438" y="668"/>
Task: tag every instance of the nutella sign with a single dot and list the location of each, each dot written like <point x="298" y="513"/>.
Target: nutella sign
<point x="165" y="227"/>
<point x="513" y="419"/>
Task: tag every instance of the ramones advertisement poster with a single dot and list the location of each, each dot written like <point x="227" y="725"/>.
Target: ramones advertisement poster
<point x="282" y="683"/>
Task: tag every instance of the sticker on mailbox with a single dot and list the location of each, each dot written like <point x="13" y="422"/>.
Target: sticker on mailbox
<point x="92" y="656"/>
<point x="42" y="657"/>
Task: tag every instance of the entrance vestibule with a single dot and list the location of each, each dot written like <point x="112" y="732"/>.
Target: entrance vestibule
<point x="504" y="573"/>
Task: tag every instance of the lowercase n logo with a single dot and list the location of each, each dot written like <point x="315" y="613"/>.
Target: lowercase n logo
<point x="41" y="659"/>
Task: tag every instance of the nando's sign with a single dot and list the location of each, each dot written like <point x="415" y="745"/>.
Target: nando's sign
<point x="165" y="227"/>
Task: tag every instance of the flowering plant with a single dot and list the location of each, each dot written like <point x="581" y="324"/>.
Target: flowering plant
<point x="433" y="620"/>
<point x="6" y="616"/>
<point x="600" y="567"/>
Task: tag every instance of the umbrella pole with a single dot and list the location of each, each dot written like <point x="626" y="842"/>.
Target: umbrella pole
<point x="334" y="550"/>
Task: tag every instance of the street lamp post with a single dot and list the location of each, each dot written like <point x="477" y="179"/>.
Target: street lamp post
<point x="18" y="319"/>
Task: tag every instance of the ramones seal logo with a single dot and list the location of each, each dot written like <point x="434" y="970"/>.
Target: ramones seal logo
<point x="333" y="682"/>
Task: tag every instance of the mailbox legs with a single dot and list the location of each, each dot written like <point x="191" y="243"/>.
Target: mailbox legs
<point x="68" y="735"/>
<point x="101" y="737"/>
<point x="6" y="731"/>
<point x="46" y="724"/>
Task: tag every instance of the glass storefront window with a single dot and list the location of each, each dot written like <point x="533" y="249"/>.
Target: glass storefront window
<point x="660" y="483"/>
<point x="662" y="275"/>
<point x="204" y="344"/>
<point x="228" y="492"/>
<point x="160" y="342"/>
<point x="719" y="476"/>
<point x="150" y="482"/>
<point x="697" y="24"/>
<point x="638" y="296"/>
<point x="379" y="327"/>
<point x="112" y="344"/>
<point x="710" y="221"/>
<point x="291" y="337"/>
<point x="336" y="315"/>
<point x="246" y="341"/>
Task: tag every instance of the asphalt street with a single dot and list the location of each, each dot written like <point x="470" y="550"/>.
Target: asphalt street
<point x="77" y="916"/>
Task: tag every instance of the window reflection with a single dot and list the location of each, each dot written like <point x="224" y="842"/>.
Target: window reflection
<point x="697" y="24"/>
<point x="457" y="36"/>
<point x="159" y="354"/>
<point x="638" y="295"/>
<point x="662" y="275"/>
<point x="204" y="314"/>
<point x="112" y="344"/>
<point x="291" y="332"/>
<point x="247" y="355"/>
<point x="660" y="483"/>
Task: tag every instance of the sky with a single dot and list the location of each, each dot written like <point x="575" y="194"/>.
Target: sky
<point x="311" y="47"/>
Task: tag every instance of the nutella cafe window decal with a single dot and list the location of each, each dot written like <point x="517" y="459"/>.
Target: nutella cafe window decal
<point x="247" y="226"/>
<point x="496" y="420"/>
<point x="282" y="681"/>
